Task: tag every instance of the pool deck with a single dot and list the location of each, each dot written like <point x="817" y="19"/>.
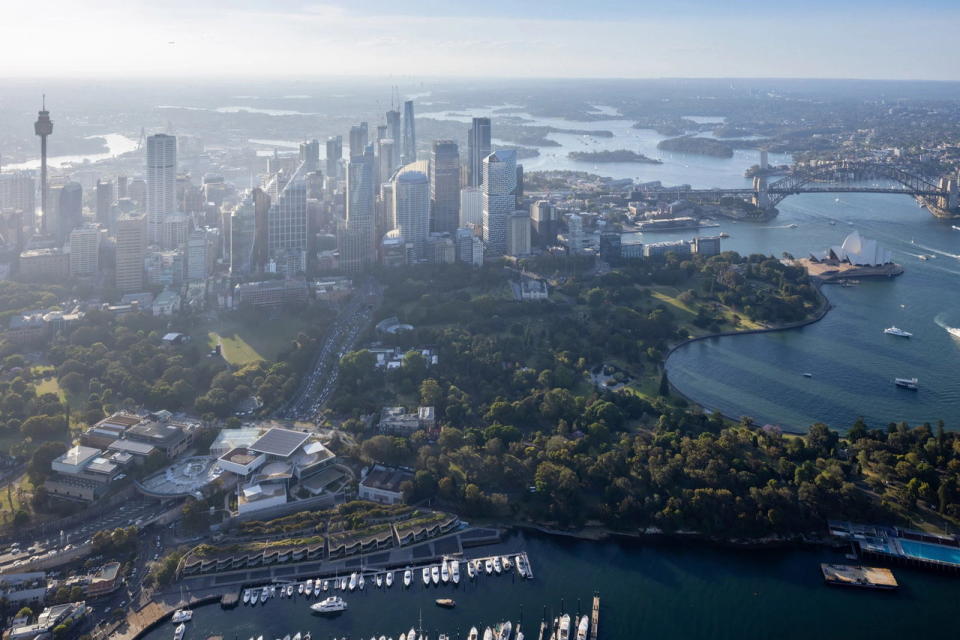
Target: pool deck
<point x="894" y="544"/>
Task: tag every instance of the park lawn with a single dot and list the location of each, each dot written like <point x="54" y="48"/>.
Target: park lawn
<point x="244" y="343"/>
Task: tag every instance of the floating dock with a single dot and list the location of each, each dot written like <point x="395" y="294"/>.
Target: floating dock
<point x="846" y="575"/>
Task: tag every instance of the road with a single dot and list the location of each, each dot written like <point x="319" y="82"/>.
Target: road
<point x="318" y="385"/>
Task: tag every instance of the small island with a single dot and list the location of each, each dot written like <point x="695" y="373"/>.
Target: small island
<point x="619" y="155"/>
<point x="699" y="146"/>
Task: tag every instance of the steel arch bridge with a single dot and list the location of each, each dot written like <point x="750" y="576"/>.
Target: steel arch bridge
<point x="842" y="177"/>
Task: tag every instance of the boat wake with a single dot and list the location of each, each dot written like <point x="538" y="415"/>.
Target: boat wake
<point x="942" y="253"/>
<point x="939" y="320"/>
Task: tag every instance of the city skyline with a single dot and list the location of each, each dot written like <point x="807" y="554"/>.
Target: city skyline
<point x="885" y="40"/>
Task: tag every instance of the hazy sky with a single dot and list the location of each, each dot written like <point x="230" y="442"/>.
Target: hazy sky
<point x="496" y="38"/>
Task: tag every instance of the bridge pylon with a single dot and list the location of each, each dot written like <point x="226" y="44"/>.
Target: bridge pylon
<point x="761" y="198"/>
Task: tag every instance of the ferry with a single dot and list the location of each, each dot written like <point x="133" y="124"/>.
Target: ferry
<point x="426" y="576"/>
<point x="446" y="603"/>
<point x="389" y="579"/>
<point x="435" y="574"/>
<point x="907" y="383"/>
<point x="455" y="571"/>
<point x="896" y="331"/>
<point x="333" y="604"/>
<point x="182" y="615"/>
<point x="180" y="630"/>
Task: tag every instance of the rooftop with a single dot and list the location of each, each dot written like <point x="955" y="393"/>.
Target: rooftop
<point x="280" y="442"/>
<point x="78" y="456"/>
<point x="385" y="479"/>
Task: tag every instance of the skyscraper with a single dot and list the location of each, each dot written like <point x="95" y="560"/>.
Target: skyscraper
<point x="478" y="148"/>
<point x="69" y="210"/>
<point x="385" y="155"/>
<point x="358" y="139"/>
<point x="393" y="132"/>
<point x="161" y="183"/>
<point x="445" y="186"/>
<point x="197" y="254"/>
<point x="105" y="203"/>
<point x="471" y="207"/>
<point x="287" y="224"/>
<point x="356" y="235"/>
<point x="131" y="245"/>
<point x="543" y="218"/>
<point x="409" y="134"/>
<point x="43" y="127"/>
<point x="17" y="192"/>
<point x="85" y="250"/>
<point x="518" y="233"/>
<point x="499" y="201"/>
<point x="310" y="155"/>
<point x="334" y="155"/>
<point x="411" y="207"/>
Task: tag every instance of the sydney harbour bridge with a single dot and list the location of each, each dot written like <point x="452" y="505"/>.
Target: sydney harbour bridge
<point x="938" y="195"/>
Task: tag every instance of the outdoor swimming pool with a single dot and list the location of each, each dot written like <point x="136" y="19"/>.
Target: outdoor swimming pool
<point x="928" y="551"/>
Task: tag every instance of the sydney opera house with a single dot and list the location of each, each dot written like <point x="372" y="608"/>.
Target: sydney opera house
<point x="857" y="257"/>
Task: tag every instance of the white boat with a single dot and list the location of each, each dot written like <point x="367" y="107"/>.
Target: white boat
<point x="180" y="630"/>
<point x="497" y="566"/>
<point x="332" y="604"/>
<point x="309" y="587"/>
<point x="896" y="331"/>
<point x="455" y="571"/>
<point x="326" y="585"/>
<point x="473" y="634"/>
<point x="426" y="576"/>
<point x="343" y="583"/>
<point x="563" y="631"/>
<point x="360" y="582"/>
<point x="286" y="637"/>
<point x="389" y="579"/>
<point x="182" y="615"/>
<point x="444" y="572"/>
<point x="488" y="566"/>
<point x="407" y="577"/>
<point x="504" y="631"/>
<point x="519" y="635"/>
<point x="954" y="331"/>
<point x="379" y="580"/>
<point x="264" y="594"/>
<point x="412" y="634"/>
<point x="521" y="566"/>
<point x="353" y="581"/>
<point x="403" y="636"/>
<point x="507" y="565"/>
<point x="907" y="383"/>
<point x="289" y="590"/>
<point x="583" y="628"/>
<point x="300" y="588"/>
<point x="246" y="597"/>
<point x="435" y="574"/>
<point x="471" y="571"/>
<point x="488" y="634"/>
<point x="296" y="636"/>
<point x="316" y="588"/>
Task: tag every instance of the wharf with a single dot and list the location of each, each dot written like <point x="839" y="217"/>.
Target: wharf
<point x="857" y="576"/>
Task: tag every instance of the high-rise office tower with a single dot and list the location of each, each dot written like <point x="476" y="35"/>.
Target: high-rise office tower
<point x="161" y="183"/>
<point x="310" y="155"/>
<point x="411" y="209"/>
<point x="382" y="132"/>
<point x="69" y="210"/>
<point x="358" y="139"/>
<point x="518" y="234"/>
<point x="478" y="148"/>
<point x="287" y="227"/>
<point x="471" y="207"/>
<point x="544" y="220"/>
<point x="17" y="193"/>
<point x="121" y="187"/>
<point x="499" y="200"/>
<point x="137" y="191"/>
<point x="469" y="248"/>
<point x="105" y="203"/>
<point x="197" y="255"/>
<point x="385" y="154"/>
<point x="43" y="127"/>
<point x="334" y="155"/>
<point x="409" y="134"/>
<point x="358" y="231"/>
<point x="394" y="133"/>
<point x="445" y="186"/>
<point x="85" y="251"/>
<point x="242" y="235"/>
<point x="131" y="247"/>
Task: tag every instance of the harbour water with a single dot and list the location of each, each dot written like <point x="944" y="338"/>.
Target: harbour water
<point x="647" y="590"/>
